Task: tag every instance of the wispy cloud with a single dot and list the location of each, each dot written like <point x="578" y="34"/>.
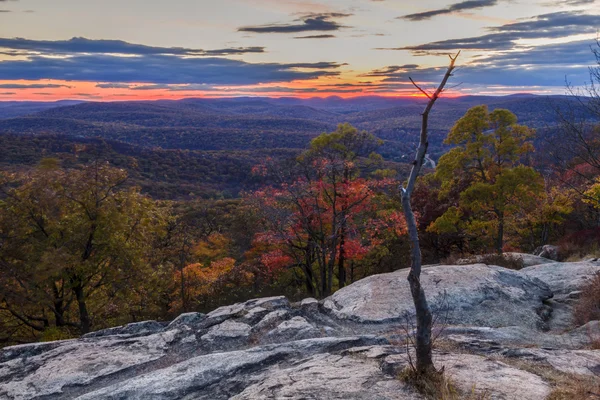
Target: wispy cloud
<point x="32" y="86"/>
<point x="453" y="8"/>
<point x="547" y="26"/>
<point x="90" y="46"/>
<point x="306" y="23"/>
<point x="315" y="37"/>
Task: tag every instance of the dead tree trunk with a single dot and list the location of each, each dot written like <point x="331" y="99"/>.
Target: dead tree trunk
<point x="424" y="362"/>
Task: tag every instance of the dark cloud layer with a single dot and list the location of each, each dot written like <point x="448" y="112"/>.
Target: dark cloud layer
<point x="547" y="26"/>
<point x="159" y="69"/>
<point x="539" y="66"/>
<point x="457" y="7"/>
<point x="316" y="37"/>
<point x="90" y="46"/>
<point x="31" y="86"/>
<point x="81" y="59"/>
<point x="307" y="23"/>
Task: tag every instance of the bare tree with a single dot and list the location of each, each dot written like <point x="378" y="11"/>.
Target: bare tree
<point x="424" y="362"/>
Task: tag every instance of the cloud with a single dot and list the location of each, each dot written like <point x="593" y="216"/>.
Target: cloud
<point x="568" y="3"/>
<point x="456" y="7"/>
<point x="90" y="46"/>
<point x="160" y="69"/>
<point x="113" y="85"/>
<point x="306" y="23"/>
<point x="546" y="26"/>
<point x="7" y="93"/>
<point x="390" y="70"/>
<point x="538" y="66"/>
<point x="31" y="86"/>
<point x="316" y="37"/>
<point x="114" y="63"/>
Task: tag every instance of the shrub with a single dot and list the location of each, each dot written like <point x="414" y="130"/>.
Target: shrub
<point x="588" y="306"/>
<point x="503" y="260"/>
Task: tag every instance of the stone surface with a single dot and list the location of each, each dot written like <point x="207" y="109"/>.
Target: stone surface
<point x="564" y="278"/>
<point x="477" y="294"/>
<point x="227" y="330"/>
<point x="527" y="260"/>
<point x="189" y="319"/>
<point x="220" y="375"/>
<point x="294" y="329"/>
<point x="30" y="373"/>
<point x="339" y="348"/>
<point x="271" y="319"/>
<point x="493" y="378"/>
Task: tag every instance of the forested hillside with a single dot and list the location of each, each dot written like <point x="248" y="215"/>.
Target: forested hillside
<point x="247" y="124"/>
<point x="119" y="212"/>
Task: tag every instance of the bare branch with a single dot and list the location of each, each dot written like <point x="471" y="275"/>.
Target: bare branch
<point x="420" y="89"/>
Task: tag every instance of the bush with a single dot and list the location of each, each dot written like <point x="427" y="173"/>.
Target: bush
<point x="503" y="260"/>
<point x="588" y="306"/>
<point x="580" y="245"/>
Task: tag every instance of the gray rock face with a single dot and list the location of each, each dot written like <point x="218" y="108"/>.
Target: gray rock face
<point x="477" y="294"/>
<point x="294" y="329"/>
<point x="564" y="278"/>
<point x="338" y="348"/>
<point x="227" y="330"/>
<point x="187" y="319"/>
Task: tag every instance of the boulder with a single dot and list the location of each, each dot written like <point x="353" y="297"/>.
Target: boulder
<point x="227" y="330"/>
<point x="187" y="319"/>
<point x="309" y="304"/>
<point x="294" y="329"/>
<point x="564" y="278"/>
<point x="527" y="260"/>
<point x="548" y="251"/>
<point x="272" y="319"/>
<point x="479" y="295"/>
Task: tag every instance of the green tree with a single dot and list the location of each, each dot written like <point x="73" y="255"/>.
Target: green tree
<point x="74" y="244"/>
<point x="488" y="162"/>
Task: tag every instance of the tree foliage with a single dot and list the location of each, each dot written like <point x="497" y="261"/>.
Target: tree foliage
<point x="488" y="163"/>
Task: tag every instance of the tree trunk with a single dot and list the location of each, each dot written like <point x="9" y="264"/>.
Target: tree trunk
<point x="84" y="317"/>
<point x="341" y="266"/>
<point x="500" y="234"/>
<point x="424" y="364"/>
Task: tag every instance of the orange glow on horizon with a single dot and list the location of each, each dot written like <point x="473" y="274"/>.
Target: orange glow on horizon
<point x="53" y="90"/>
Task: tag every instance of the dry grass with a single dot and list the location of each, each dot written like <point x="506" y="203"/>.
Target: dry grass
<point x="564" y="386"/>
<point x="438" y="386"/>
<point x="587" y="307"/>
<point x="503" y="260"/>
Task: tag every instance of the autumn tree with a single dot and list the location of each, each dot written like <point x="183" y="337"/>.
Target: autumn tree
<point x="72" y="239"/>
<point x="315" y="220"/>
<point x="575" y="144"/>
<point x="488" y="162"/>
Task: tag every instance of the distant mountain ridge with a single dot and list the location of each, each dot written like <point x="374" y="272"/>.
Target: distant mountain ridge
<point x="263" y="123"/>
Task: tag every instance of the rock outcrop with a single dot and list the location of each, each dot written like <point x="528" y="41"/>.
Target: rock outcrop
<point x="344" y="347"/>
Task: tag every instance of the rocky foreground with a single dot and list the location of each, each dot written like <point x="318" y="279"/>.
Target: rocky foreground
<point x="505" y="333"/>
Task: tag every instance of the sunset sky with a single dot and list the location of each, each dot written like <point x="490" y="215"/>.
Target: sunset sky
<point x="147" y="49"/>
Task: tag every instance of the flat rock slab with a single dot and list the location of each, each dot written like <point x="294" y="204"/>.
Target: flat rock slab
<point x="478" y="294"/>
<point x="564" y="278"/>
<point x="492" y="378"/>
<point x="328" y="376"/>
<point x="223" y="375"/>
<point x="31" y="373"/>
<point x="579" y="362"/>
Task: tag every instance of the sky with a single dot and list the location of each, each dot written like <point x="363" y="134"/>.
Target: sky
<point x="145" y="49"/>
